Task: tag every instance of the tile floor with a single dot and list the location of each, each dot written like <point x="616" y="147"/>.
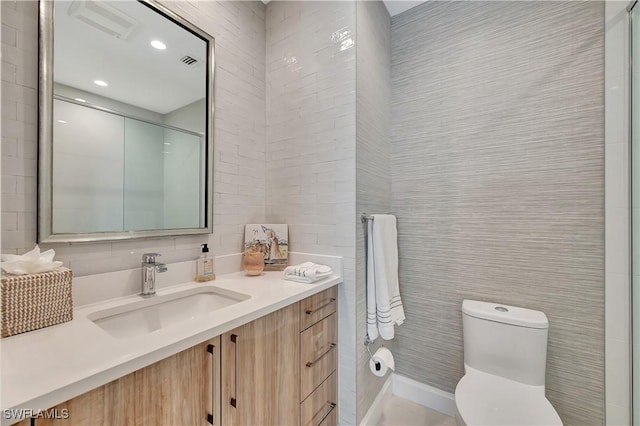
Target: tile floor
<point x="398" y="411"/>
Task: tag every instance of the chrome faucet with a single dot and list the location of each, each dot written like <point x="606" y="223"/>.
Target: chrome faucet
<point x="149" y="268"/>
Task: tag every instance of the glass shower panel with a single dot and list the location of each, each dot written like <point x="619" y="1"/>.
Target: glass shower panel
<point x="88" y="173"/>
<point x="143" y="175"/>
<point x="184" y="173"/>
<point x="164" y="177"/>
<point x="129" y="175"/>
<point x="634" y="29"/>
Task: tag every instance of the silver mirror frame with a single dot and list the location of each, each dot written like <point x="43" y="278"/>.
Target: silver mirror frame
<point x="45" y="137"/>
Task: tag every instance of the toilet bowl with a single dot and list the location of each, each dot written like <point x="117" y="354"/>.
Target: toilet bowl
<point x="485" y="399"/>
<point x="505" y="352"/>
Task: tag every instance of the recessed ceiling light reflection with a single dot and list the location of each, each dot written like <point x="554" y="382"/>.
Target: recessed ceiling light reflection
<point x="62" y="122"/>
<point x="100" y="83"/>
<point x="158" y="45"/>
<point x="80" y="100"/>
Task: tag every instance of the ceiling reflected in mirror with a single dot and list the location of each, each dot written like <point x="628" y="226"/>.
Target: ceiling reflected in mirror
<point x="99" y="43"/>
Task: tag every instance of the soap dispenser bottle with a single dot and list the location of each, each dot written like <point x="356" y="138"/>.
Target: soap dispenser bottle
<point x="205" y="266"/>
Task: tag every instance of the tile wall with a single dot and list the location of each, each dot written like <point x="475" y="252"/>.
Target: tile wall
<point x="310" y="154"/>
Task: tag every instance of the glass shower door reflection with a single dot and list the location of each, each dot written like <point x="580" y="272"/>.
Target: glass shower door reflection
<point x="634" y="31"/>
<point x="130" y="175"/>
<point x="164" y="177"/>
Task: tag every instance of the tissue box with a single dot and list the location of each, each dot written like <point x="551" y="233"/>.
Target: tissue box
<point x="34" y="301"/>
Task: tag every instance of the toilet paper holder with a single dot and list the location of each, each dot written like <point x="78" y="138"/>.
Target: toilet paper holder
<point x="367" y="343"/>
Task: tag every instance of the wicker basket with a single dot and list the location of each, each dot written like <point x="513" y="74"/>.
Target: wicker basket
<point x="34" y="301"/>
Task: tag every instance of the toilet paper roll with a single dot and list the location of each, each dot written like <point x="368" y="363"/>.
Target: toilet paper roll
<point x="385" y="358"/>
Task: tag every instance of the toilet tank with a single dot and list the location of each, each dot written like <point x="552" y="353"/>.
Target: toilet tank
<point x="505" y="341"/>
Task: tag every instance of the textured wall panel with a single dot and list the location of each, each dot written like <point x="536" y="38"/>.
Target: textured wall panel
<point x="239" y="129"/>
<point x="373" y="164"/>
<point x="498" y="183"/>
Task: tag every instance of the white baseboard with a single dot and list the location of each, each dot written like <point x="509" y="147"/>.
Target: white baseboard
<point x="414" y="391"/>
<point x="425" y="395"/>
<point x="375" y="410"/>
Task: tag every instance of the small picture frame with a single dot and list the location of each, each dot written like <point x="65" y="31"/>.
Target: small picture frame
<point x="272" y="240"/>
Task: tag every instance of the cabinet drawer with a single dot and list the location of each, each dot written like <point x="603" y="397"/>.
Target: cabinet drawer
<point x="318" y="306"/>
<point x="320" y="408"/>
<point x="318" y="354"/>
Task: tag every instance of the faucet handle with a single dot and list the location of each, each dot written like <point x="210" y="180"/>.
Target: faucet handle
<point x="150" y="257"/>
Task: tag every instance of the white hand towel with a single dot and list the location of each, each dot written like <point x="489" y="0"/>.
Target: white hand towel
<point x="372" y="318"/>
<point x="307" y="272"/>
<point x="384" y="306"/>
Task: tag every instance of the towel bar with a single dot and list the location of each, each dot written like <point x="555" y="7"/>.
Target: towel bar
<point x="364" y="217"/>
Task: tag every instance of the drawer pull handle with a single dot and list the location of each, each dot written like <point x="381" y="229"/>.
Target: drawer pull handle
<point x="331" y="346"/>
<point x="311" y="311"/>
<point x="234" y="339"/>
<point x="331" y="405"/>
<point x="211" y="349"/>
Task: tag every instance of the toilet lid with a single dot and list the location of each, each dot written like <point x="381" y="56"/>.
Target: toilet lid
<point x="485" y="399"/>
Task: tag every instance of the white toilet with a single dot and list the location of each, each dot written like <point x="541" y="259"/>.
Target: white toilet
<point x="505" y="355"/>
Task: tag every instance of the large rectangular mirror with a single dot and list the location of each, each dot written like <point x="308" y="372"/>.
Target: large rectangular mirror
<point x="125" y="122"/>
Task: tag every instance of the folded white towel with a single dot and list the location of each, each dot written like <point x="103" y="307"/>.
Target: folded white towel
<point x="384" y="306"/>
<point x="307" y="272"/>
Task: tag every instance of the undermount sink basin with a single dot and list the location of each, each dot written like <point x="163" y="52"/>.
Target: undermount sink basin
<point x="158" y="312"/>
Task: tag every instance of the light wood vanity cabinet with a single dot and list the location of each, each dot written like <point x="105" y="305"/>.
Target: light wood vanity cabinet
<point x="280" y="369"/>
<point x="179" y="390"/>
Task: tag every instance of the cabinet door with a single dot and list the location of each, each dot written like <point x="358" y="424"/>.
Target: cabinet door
<point x="260" y="373"/>
<point x="179" y="390"/>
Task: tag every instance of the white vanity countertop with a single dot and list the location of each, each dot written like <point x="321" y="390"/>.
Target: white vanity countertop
<point x="45" y="367"/>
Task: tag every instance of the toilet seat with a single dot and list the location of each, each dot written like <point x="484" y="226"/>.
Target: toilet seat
<point x="485" y="399"/>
